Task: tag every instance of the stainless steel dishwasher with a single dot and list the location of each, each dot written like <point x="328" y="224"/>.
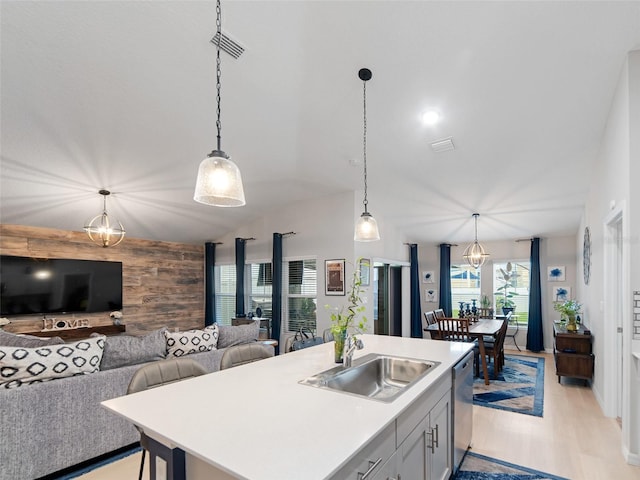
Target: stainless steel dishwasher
<point x="462" y="408"/>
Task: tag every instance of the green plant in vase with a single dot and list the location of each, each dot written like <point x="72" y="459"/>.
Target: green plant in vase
<point x="569" y="310"/>
<point x="505" y="292"/>
<point x="344" y="319"/>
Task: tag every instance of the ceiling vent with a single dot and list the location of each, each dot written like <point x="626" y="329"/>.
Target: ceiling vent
<point x="444" y="145"/>
<point x="227" y="45"/>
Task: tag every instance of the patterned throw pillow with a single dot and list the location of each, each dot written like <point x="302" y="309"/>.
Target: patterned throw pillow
<point x="23" y="366"/>
<point x="191" y="341"/>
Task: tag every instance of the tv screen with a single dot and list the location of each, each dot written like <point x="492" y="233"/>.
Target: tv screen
<point x="37" y="285"/>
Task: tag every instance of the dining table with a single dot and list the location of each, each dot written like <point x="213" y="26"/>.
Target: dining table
<point x="477" y="330"/>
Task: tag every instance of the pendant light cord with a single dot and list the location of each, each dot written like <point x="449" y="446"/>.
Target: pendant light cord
<point x="364" y="140"/>
<point x="476" y="219"/>
<point x="218" y="69"/>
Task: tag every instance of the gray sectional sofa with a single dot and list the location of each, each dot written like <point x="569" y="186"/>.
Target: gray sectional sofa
<point x="49" y="426"/>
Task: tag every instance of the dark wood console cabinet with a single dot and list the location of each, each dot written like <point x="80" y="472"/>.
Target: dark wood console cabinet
<point x="70" y="334"/>
<point x="572" y="352"/>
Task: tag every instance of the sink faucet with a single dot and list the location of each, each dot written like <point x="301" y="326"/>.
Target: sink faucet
<point x="351" y="343"/>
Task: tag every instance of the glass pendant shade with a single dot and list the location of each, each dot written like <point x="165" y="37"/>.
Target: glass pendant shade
<point x="366" y="229"/>
<point x="475" y="255"/>
<point x="104" y="230"/>
<point x="219" y="182"/>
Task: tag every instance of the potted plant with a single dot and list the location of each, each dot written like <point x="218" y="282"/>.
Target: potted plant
<point x="344" y="319"/>
<point x="508" y="277"/>
<point x="569" y="309"/>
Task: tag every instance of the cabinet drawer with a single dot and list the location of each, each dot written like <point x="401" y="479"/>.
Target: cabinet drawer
<point x="377" y="451"/>
<point x="574" y="344"/>
<point x="574" y="365"/>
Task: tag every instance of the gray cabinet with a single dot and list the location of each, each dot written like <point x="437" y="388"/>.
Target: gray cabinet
<point x="426" y="453"/>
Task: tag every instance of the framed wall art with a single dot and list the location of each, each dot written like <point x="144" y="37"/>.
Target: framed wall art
<point x="428" y="276"/>
<point x="334" y="277"/>
<point x="556" y="273"/>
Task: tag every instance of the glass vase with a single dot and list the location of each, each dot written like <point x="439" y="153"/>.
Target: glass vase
<point x="571" y="324"/>
<point x="339" y="346"/>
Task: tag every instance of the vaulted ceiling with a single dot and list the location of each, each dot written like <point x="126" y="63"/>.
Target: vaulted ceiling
<point x="121" y="95"/>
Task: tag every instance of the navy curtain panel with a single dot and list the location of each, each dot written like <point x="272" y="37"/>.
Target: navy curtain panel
<point x="276" y="288"/>
<point x="445" y="279"/>
<point x="535" y="340"/>
<point x="240" y="260"/>
<point x="416" y="321"/>
<point x="209" y="283"/>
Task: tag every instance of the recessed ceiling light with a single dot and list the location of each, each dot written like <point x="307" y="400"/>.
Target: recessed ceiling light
<point x="431" y="117"/>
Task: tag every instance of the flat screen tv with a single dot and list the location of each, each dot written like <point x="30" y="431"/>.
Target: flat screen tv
<point x="47" y="286"/>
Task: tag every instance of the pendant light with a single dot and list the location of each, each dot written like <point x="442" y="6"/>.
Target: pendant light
<point x="366" y="226"/>
<point x="219" y="181"/>
<point x="103" y="230"/>
<point x="474" y="254"/>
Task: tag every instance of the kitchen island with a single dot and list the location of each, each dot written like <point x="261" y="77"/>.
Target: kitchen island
<point x="258" y="422"/>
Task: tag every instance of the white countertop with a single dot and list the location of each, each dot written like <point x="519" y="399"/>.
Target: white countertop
<point x="257" y="422"/>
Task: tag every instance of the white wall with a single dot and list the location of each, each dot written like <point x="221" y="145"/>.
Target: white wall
<point x="613" y="187"/>
<point x="553" y="251"/>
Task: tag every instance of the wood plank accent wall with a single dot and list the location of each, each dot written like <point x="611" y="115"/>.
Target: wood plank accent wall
<point x="163" y="282"/>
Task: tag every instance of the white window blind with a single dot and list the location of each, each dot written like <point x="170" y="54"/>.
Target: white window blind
<point x="225" y="293"/>
<point x="301" y="294"/>
<point x="260" y="284"/>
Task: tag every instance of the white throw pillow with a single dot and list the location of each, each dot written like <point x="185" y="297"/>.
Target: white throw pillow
<point x="23" y="366"/>
<point x="191" y="341"/>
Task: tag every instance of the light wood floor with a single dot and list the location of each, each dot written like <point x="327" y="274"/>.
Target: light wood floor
<point x="573" y="439"/>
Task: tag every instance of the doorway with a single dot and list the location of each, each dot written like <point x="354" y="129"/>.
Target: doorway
<point x="387" y="281"/>
<point x="614" y="311"/>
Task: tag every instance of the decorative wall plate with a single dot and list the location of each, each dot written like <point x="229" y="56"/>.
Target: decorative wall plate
<point x="586" y="255"/>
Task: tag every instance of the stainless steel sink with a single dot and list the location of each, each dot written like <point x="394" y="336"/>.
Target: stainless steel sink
<point x="379" y="377"/>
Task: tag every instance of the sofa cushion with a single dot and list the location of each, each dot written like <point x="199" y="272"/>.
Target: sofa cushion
<point x="23" y="366"/>
<point x="239" y="334"/>
<point x="123" y="350"/>
<point x="8" y="339"/>
<point x="191" y="341"/>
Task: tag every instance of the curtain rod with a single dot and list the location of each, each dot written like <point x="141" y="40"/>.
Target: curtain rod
<point x="288" y="234"/>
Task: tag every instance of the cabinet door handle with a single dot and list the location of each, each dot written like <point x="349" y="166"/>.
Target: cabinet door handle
<point x="437" y="436"/>
<point x="372" y="467"/>
<point x="432" y="446"/>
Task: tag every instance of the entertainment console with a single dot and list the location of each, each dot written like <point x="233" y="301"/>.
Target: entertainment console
<point x="79" y="333"/>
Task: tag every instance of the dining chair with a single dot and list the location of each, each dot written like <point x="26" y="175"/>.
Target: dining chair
<point x="495" y="350"/>
<point x="439" y="313"/>
<point x="429" y="318"/>
<point x="485" y="312"/>
<point x="457" y="330"/>
<point x="247" y="353"/>
<point x="327" y="336"/>
<point x="155" y="375"/>
<point x="513" y="322"/>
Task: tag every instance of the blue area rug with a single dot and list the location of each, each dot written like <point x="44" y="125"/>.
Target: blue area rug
<point x="519" y="387"/>
<point x="479" y="467"/>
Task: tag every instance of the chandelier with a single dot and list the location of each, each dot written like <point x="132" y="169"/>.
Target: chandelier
<point x="104" y="230"/>
<point x="474" y="254"/>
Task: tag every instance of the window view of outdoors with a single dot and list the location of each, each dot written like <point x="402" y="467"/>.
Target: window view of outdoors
<point x="465" y="287"/>
<point x="259" y="294"/>
<point x="225" y="293"/>
<point x="511" y="288"/>
<point x="301" y="295"/>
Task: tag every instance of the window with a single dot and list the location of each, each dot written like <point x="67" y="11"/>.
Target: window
<point x="225" y="293"/>
<point x="465" y="287"/>
<point x="511" y="288"/>
<point x="301" y="294"/>
<point x="259" y="291"/>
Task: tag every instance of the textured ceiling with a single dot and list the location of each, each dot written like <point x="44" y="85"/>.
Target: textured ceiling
<point x="121" y="95"/>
